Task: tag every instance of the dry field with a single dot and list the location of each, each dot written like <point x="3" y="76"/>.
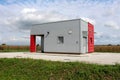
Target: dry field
<point x="107" y="48"/>
<point x="98" y="48"/>
<point x="7" y="48"/>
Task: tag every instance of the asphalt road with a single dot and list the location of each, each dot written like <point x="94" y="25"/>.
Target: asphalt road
<point x="99" y="58"/>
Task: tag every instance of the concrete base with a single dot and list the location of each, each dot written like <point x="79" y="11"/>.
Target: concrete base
<point x="99" y="58"/>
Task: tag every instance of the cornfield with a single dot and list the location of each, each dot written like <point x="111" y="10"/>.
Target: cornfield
<point x="7" y="48"/>
<point x="107" y="48"/>
<point x="98" y="48"/>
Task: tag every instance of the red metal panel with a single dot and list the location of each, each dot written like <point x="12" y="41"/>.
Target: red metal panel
<point x="90" y="38"/>
<point x="32" y="43"/>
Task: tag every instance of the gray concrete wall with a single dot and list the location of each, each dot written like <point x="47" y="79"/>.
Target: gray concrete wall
<point x="83" y="33"/>
<point x="62" y="28"/>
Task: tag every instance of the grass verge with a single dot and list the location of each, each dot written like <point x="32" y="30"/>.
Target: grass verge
<point x="29" y="69"/>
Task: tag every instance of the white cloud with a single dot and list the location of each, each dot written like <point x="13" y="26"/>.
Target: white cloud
<point x="30" y="16"/>
<point x="17" y="17"/>
<point x="112" y="24"/>
<point x="99" y="34"/>
<point x="13" y="38"/>
<point x="89" y="20"/>
<point x="28" y="10"/>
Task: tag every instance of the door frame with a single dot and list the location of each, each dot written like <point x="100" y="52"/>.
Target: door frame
<point x="42" y="43"/>
<point x="33" y="43"/>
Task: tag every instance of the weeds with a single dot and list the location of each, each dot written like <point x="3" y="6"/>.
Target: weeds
<point x="29" y="69"/>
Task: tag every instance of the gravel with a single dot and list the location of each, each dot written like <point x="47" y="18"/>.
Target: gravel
<point x="98" y="58"/>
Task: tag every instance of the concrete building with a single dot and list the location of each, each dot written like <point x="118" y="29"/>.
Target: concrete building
<point x="69" y="36"/>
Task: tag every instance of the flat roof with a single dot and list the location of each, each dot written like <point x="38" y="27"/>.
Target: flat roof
<point x="60" y="21"/>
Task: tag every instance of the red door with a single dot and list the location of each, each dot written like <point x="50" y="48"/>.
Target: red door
<point x="32" y="43"/>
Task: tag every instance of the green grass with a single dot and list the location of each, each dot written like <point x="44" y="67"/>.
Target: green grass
<point x="29" y="69"/>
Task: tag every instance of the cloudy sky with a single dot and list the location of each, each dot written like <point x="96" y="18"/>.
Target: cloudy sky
<point x="16" y="17"/>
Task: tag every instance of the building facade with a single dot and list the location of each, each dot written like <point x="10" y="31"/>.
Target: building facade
<point x="69" y="36"/>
